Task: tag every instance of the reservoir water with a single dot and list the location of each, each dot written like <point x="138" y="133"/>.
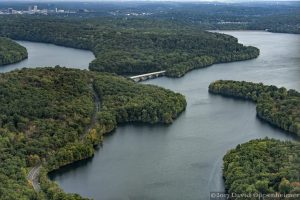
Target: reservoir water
<point x="45" y="55"/>
<point x="183" y="161"/>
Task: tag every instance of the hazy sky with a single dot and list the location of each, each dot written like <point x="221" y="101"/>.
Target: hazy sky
<point x="152" y="0"/>
<point x="222" y="1"/>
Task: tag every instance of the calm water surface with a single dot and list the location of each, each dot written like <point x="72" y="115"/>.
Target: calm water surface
<point x="184" y="161"/>
<point x="45" y="55"/>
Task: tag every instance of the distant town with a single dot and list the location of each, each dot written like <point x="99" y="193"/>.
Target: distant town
<point x="35" y="10"/>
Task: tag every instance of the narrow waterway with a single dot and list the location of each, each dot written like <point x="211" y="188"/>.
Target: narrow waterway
<point x="183" y="160"/>
<point x="45" y="55"/>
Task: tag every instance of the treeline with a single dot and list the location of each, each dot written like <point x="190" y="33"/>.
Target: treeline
<point x="131" y="45"/>
<point x="11" y="52"/>
<point x="282" y="17"/>
<point x="272" y="16"/>
<point x="278" y="106"/>
<point x="263" y="166"/>
<point x="279" y="23"/>
<point x="125" y="101"/>
<point x="44" y="115"/>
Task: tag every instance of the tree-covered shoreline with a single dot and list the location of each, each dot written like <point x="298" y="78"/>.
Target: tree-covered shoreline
<point x="132" y="46"/>
<point x="263" y="166"/>
<point x="11" y="52"/>
<point x="44" y="115"/>
<point x="280" y="17"/>
<point x="278" y="106"/>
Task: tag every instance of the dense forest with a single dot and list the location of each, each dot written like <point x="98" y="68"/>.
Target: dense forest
<point x="278" y="106"/>
<point x="282" y="17"/>
<point x="279" y="16"/>
<point x="11" y="52"/>
<point x="45" y="115"/>
<point x="263" y="166"/>
<point x="131" y="46"/>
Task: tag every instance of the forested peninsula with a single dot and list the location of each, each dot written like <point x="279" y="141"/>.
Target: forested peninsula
<point x="132" y="46"/>
<point x="11" y="52"/>
<point x="50" y="117"/>
<point x="278" y="106"/>
<point x="263" y="166"/>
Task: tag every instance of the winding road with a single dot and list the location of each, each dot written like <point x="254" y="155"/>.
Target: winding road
<point x="33" y="175"/>
<point x="94" y="117"/>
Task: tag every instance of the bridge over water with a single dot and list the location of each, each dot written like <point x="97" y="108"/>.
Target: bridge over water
<point x="147" y="76"/>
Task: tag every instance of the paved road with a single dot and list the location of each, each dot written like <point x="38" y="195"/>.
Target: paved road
<point x="33" y="176"/>
<point x="94" y="117"/>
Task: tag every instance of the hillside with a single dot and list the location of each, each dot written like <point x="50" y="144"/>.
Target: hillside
<point x="263" y="166"/>
<point x="11" y="52"/>
<point x="132" y="46"/>
<point x="49" y="117"/>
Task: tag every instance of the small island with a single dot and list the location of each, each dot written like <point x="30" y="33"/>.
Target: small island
<point x="263" y="166"/>
<point x="51" y="117"/>
<point x="11" y="52"/>
<point x="278" y="106"/>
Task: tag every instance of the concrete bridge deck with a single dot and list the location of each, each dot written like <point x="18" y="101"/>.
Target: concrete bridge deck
<point x="147" y="76"/>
